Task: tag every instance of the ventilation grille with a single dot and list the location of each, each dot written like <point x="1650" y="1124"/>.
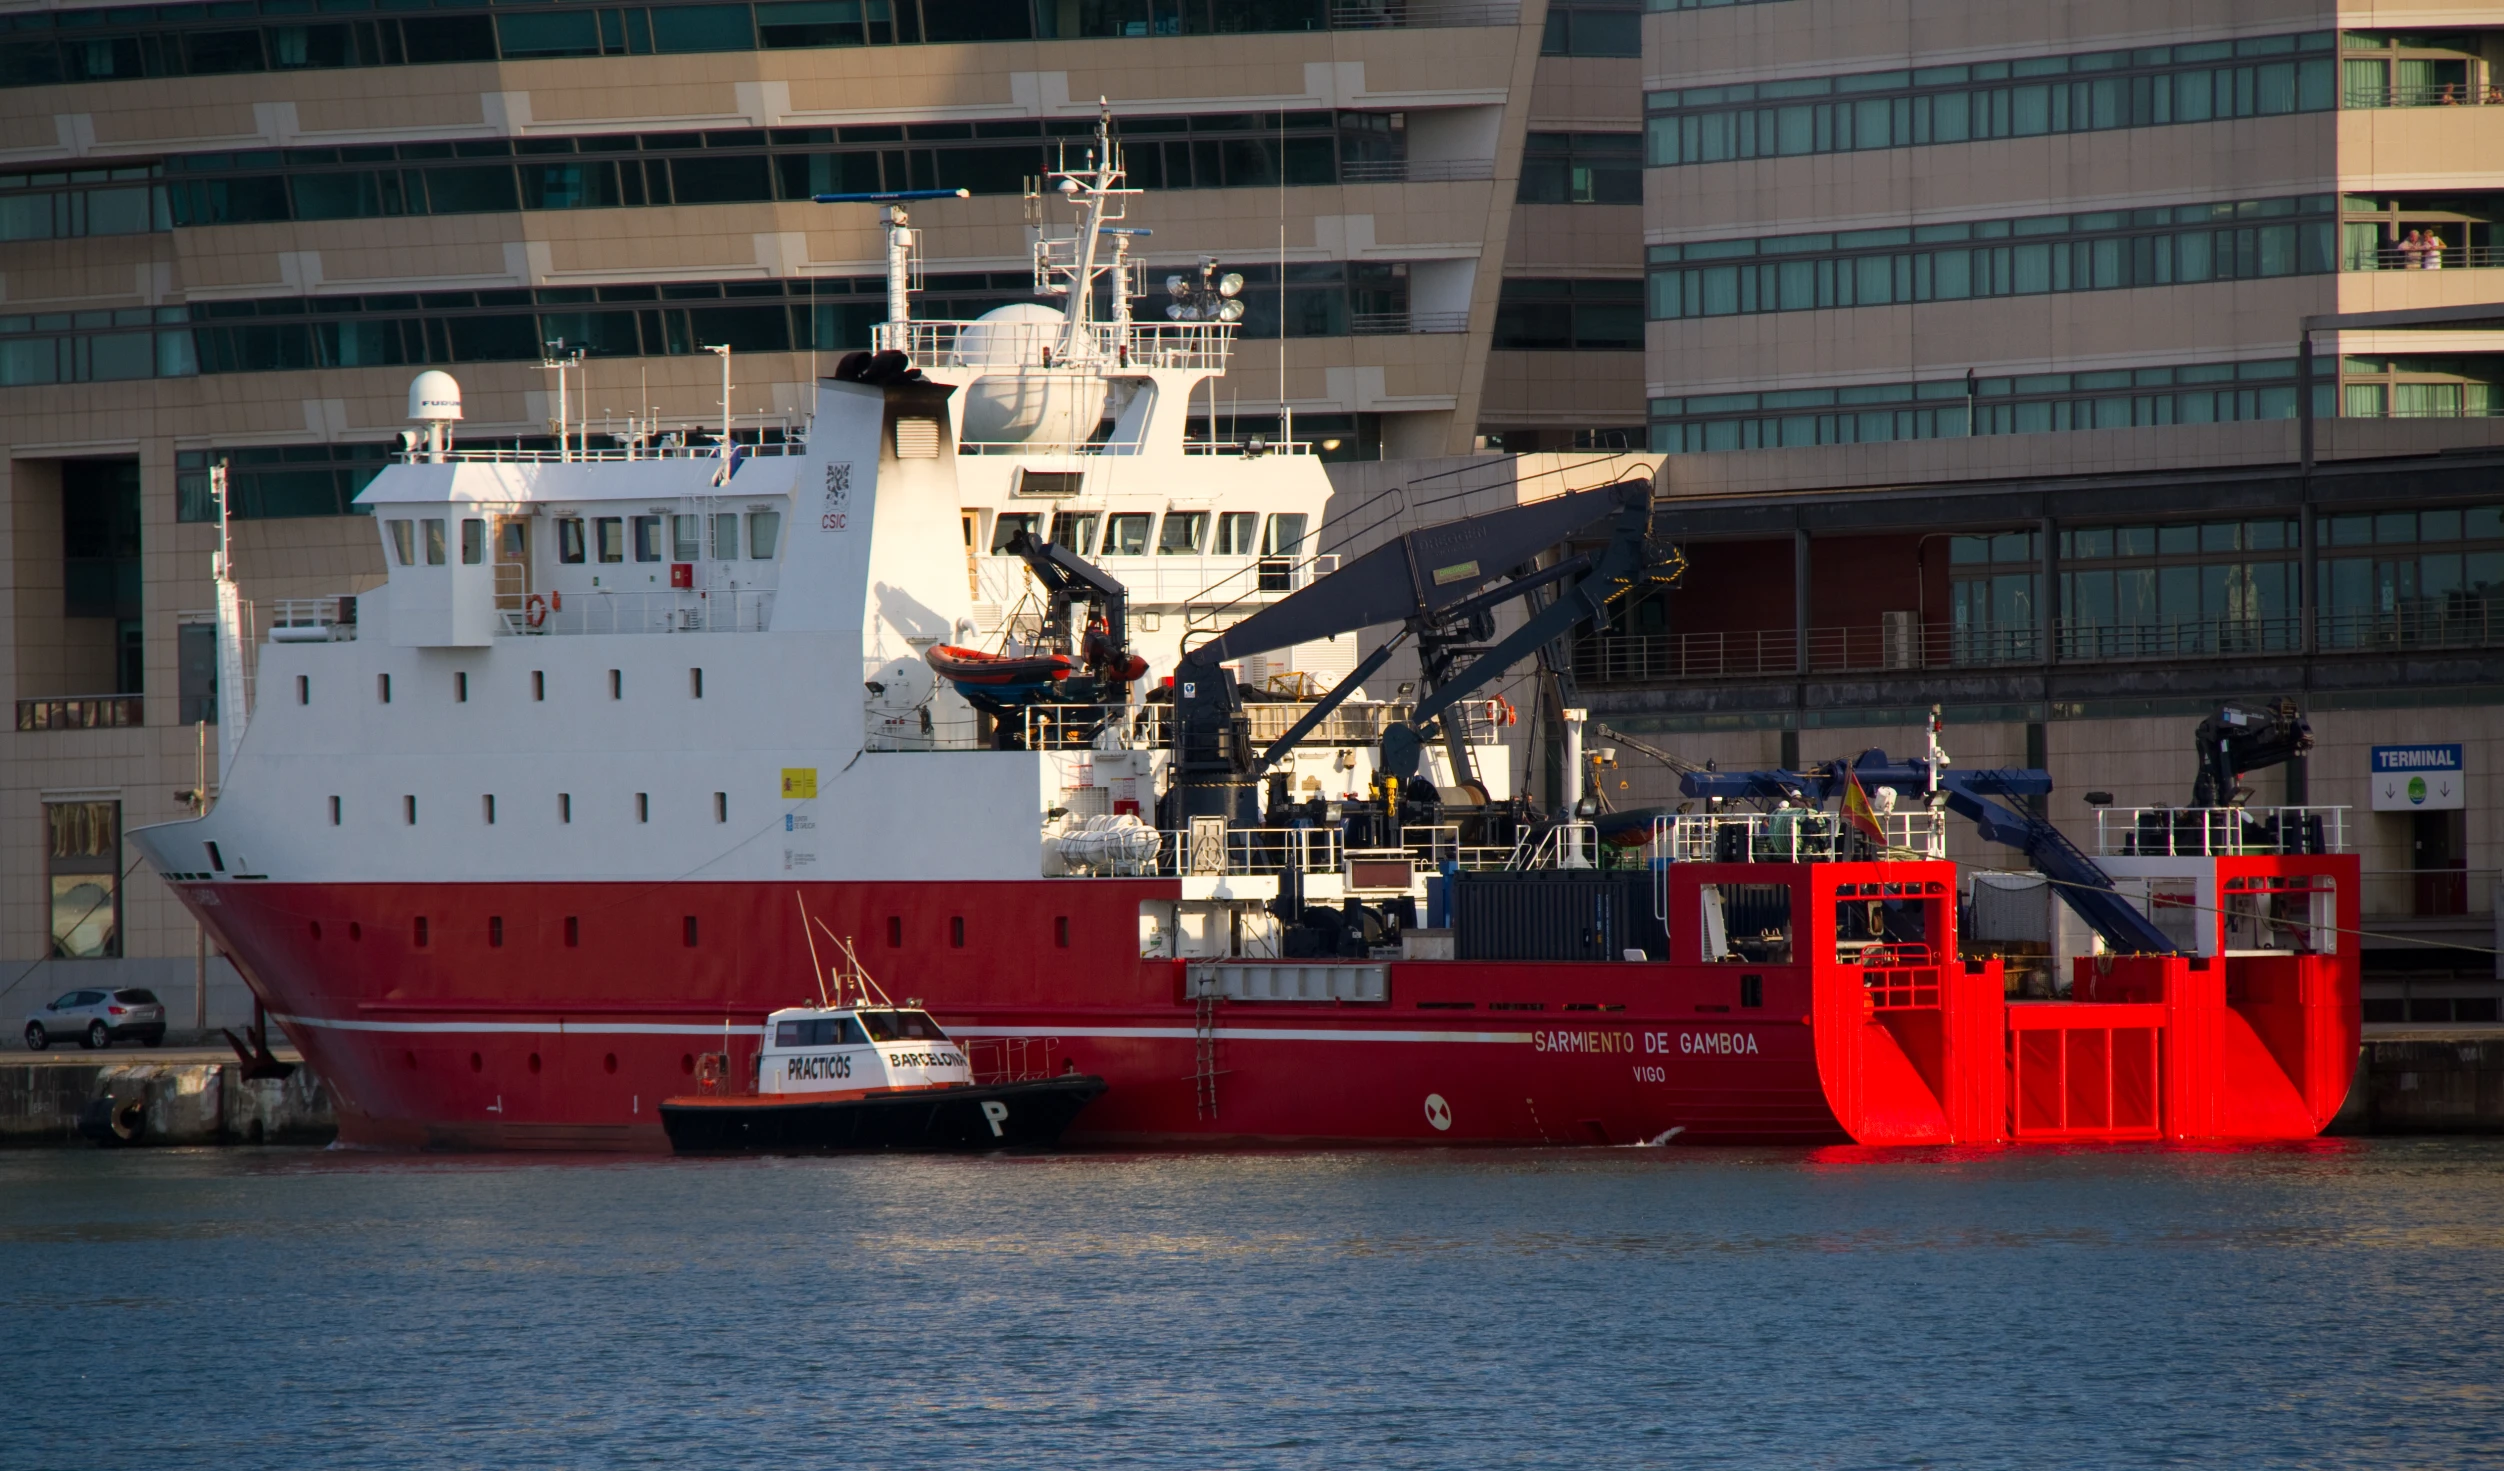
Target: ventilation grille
<point x="917" y="439"/>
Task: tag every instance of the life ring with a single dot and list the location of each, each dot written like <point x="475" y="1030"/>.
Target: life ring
<point x="535" y="610"/>
<point x="1500" y="711"/>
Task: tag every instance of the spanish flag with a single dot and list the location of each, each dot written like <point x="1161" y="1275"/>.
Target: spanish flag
<point x="1857" y="810"/>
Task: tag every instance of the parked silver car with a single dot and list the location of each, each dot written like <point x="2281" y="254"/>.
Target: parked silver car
<point x="98" y="1018"/>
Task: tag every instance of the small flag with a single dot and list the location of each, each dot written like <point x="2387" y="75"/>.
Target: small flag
<point x="1856" y="808"/>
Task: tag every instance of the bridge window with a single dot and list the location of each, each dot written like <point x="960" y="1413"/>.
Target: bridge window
<point x="610" y="533"/>
<point x="473" y="541"/>
<point x="569" y="539"/>
<point x="1126" y="535"/>
<point x="726" y="537"/>
<point x="1235" y="532"/>
<point x="685" y="538"/>
<point x="434" y="541"/>
<point x="403" y="542"/>
<point x="647" y="538"/>
<point x="764" y="529"/>
<point x="1185" y="532"/>
<point x="1005" y="529"/>
<point x="1075" y="530"/>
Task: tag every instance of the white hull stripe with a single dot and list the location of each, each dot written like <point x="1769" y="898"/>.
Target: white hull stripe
<point x="535" y="1029"/>
<point x="673" y="1029"/>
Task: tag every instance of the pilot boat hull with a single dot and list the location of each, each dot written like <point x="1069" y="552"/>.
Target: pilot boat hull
<point x="966" y="1118"/>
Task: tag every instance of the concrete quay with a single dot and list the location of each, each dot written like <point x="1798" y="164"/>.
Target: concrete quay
<point x="2428" y="1080"/>
<point x="192" y="1095"/>
<point x="2409" y="1080"/>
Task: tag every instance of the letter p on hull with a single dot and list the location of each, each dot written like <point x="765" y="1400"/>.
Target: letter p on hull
<point x="996" y="1113"/>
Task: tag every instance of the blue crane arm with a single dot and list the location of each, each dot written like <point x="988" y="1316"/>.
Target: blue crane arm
<point x="2079" y="880"/>
<point x="2081" y="883"/>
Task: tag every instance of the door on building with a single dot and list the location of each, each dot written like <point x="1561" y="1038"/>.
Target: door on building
<point x="512" y="563"/>
<point x="2438" y="852"/>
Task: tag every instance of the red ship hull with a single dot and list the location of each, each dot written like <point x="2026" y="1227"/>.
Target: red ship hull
<point x="558" y="1015"/>
<point x="496" y="1032"/>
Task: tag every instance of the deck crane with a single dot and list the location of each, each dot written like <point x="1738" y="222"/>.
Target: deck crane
<point x="2241" y="739"/>
<point x="1438" y="583"/>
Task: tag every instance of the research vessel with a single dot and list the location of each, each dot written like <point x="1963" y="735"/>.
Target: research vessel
<point x="1054" y="702"/>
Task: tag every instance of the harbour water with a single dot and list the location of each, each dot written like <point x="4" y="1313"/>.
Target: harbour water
<point x="2335" y="1304"/>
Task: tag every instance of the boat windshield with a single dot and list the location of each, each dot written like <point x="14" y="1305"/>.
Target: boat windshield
<point x="823" y="1031"/>
<point x="902" y="1026"/>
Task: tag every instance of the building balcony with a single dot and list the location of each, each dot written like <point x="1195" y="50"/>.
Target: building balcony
<point x="1366" y="15"/>
<point x="1901" y="646"/>
<point x="81" y="712"/>
<point x="1669" y="658"/>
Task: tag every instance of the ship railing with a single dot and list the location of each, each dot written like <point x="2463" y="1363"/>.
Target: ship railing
<point x="789" y="444"/>
<point x="740" y="610"/>
<point x="1796" y="836"/>
<point x="1566" y="845"/>
<point x="311" y="620"/>
<point x="1251" y="446"/>
<point x="1085" y="727"/>
<point x="995" y="1060"/>
<point x="1105" y="346"/>
<point x="2218" y="832"/>
<point x="1251" y="850"/>
<point x="1433" y="846"/>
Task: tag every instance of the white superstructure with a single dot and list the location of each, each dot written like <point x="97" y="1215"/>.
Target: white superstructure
<point x="662" y="662"/>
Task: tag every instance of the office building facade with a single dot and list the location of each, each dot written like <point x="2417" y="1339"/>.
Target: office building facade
<point x="1975" y="354"/>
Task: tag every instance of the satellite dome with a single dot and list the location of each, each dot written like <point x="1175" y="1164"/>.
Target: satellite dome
<point x="434" y="397"/>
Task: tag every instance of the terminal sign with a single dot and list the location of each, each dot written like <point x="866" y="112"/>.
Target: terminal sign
<point x="2418" y="779"/>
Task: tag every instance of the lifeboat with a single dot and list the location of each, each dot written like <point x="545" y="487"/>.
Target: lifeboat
<point x="972" y="666"/>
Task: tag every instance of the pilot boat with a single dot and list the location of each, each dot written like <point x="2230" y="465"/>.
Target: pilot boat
<point x="858" y="1072"/>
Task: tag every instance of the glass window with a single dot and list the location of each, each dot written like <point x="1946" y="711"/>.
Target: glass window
<point x="1075" y="530"/>
<point x="1006" y="527"/>
<point x="1285" y="536"/>
<point x="901" y="1026"/>
<point x="473" y="541"/>
<point x="434" y="541"/>
<point x="647" y="538"/>
<point x="726" y="536"/>
<point x="1235" y="532"/>
<point x="569" y="539"/>
<point x="610" y="532"/>
<point x="403" y="542"/>
<point x="86" y="867"/>
<point x="686" y="535"/>
<point x="1126" y="534"/>
<point x="1183" y="534"/>
<point x="764" y="529"/>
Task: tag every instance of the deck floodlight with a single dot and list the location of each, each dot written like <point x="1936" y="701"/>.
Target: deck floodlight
<point x="1231" y="311"/>
<point x="1230" y="284"/>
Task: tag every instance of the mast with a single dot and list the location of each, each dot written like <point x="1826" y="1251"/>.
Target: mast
<point x="233" y="699"/>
